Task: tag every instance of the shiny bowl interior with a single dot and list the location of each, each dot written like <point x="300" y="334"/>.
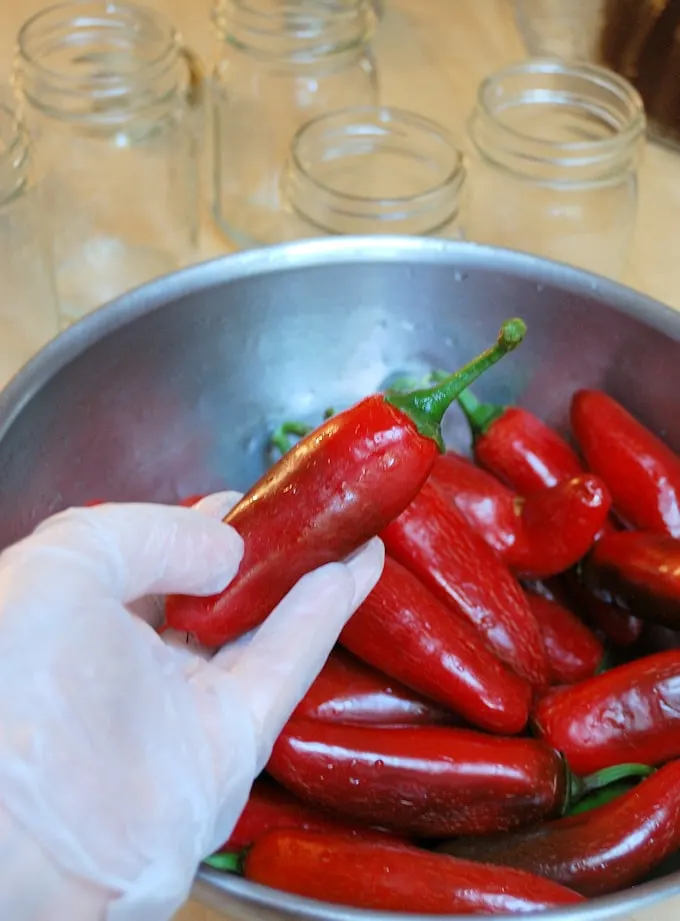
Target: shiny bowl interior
<point x="174" y="388"/>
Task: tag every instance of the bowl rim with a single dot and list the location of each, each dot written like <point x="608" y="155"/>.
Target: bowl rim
<point x="146" y="299"/>
<point x="212" y="887"/>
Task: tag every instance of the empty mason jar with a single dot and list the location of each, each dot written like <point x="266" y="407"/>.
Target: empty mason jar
<point x="557" y="149"/>
<point x="28" y="310"/>
<point x="372" y="171"/>
<point x="283" y="62"/>
<point x="110" y="97"/>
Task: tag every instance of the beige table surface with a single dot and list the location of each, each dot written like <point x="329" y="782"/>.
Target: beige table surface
<point x="432" y="55"/>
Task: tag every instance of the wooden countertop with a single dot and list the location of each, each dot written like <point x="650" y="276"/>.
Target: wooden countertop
<point x="432" y="55"/>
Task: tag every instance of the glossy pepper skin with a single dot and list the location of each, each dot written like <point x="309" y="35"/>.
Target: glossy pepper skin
<point x="538" y="536"/>
<point x="518" y="447"/>
<point x="628" y="714"/>
<point x="528" y="455"/>
<point x="349" y="691"/>
<point x="406" y="631"/>
<point x="271" y="807"/>
<point x="390" y="877"/>
<point x="574" y="652"/>
<point x="640" y="572"/>
<point x="428" y="782"/>
<point x="641" y="471"/>
<point x="598" y="852"/>
<point x="433" y="539"/>
<point x="334" y="490"/>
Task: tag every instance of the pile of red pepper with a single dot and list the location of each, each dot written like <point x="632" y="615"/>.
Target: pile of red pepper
<point x="497" y="701"/>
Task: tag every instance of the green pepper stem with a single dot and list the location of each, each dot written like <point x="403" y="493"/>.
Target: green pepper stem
<point x="601" y="798"/>
<point x="227" y="862"/>
<point x="580" y="787"/>
<point x="480" y="416"/>
<point x="426" y="407"/>
<point x="280" y="438"/>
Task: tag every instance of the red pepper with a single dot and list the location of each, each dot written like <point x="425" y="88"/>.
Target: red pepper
<point x="574" y="652"/>
<point x="408" y="633"/>
<point x="518" y="447"/>
<point x="434" y="541"/>
<point x="641" y="471"/>
<point x="338" y="487"/>
<point x="349" y="691"/>
<point x="640" y="572"/>
<point x="426" y="781"/>
<point x="393" y="877"/>
<point x="529" y="456"/>
<point x="538" y="536"/>
<point x="271" y="807"/>
<point x="597" y="852"/>
<point x="629" y="713"/>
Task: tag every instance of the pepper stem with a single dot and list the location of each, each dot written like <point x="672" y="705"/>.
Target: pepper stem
<point x="227" y="862"/>
<point x="601" y="798"/>
<point x="580" y="787"/>
<point x="426" y="407"/>
<point x="480" y="416"/>
<point x="280" y="438"/>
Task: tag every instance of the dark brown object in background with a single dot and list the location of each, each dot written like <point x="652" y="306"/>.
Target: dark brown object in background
<point x="641" y="41"/>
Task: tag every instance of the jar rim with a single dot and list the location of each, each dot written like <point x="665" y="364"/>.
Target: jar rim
<point x="599" y="76"/>
<point x="107" y="10"/>
<point x="380" y="115"/>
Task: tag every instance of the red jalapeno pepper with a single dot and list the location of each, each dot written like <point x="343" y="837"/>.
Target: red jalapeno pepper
<point x="529" y="456"/>
<point x="629" y="713"/>
<point x="638" y="571"/>
<point x="391" y="877"/>
<point x="338" y="487"/>
<point x="538" y="536"/>
<point x="517" y="446"/>
<point x="271" y="807"/>
<point x="428" y="781"/>
<point x="349" y="691"/>
<point x="433" y="539"/>
<point x="641" y="471"/>
<point x="574" y="652"/>
<point x="408" y="633"/>
<point x="599" y="851"/>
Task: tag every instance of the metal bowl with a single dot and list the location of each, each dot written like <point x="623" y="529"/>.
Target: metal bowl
<point x="173" y="388"/>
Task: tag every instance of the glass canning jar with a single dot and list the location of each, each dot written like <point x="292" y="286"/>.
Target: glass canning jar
<point x="28" y="310"/>
<point x="111" y="98"/>
<point x="557" y="147"/>
<point x="283" y="62"/>
<point x="371" y="171"/>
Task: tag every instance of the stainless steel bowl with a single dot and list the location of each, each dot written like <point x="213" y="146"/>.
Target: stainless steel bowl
<point x="172" y="389"/>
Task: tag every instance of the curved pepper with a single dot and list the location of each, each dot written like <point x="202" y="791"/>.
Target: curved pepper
<point x="393" y="877"/>
<point x="574" y="652"/>
<point x="349" y="691"/>
<point x="529" y="456"/>
<point x="428" y="781"/>
<point x="629" y="713"/>
<point x="597" y="852"/>
<point x="408" y="633"/>
<point x="272" y="807"/>
<point x="538" y="536"/>
<point x="433" y="539"/>
<point x="640" y="572"/>
<point x="517" y="446"/>
<point x="641" y="471"/>
<point x="337" y="488"/>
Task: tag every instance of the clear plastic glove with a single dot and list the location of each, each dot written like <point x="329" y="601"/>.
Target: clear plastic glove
<point x="126" y="758"/>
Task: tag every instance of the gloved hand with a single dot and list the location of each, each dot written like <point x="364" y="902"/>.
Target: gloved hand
<point x="126" y="758"/>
